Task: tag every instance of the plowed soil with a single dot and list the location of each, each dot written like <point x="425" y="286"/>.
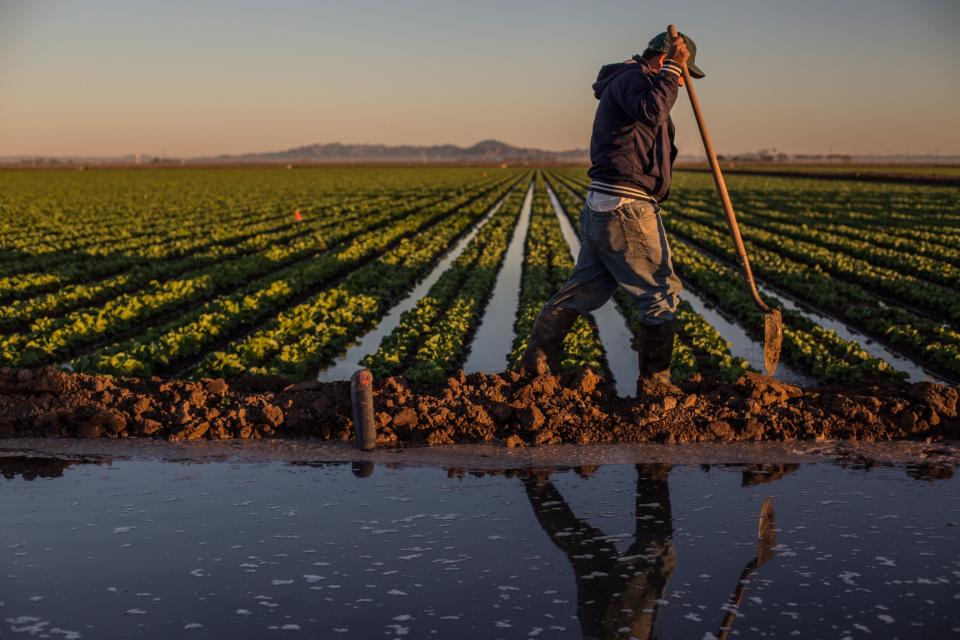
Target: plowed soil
<point x="512" y="408"/>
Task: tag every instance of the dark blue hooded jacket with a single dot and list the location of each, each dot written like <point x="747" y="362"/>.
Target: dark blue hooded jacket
<point x="631" y="149"/>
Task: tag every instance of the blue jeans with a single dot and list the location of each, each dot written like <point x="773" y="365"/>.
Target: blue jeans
<point x="625" y="247"/>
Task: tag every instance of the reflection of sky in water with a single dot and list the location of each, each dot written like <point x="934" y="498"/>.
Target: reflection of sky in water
<point x="144" y="548"/>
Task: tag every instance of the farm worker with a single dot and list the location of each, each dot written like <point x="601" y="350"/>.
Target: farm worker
<point x="623" y="242"/>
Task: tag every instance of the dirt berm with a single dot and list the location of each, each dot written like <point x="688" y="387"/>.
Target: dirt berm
<point x="514" y="409"/>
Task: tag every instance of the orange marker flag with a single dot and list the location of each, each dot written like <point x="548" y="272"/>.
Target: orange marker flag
<point x="297" y="216"/>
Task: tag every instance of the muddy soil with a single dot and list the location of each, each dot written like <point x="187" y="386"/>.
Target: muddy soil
<point x="512" y="408"/>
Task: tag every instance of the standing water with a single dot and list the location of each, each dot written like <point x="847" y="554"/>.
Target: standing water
<point x="304" y="540"/>
<point x="491" y="346"/>
<point x="348" y="363"/>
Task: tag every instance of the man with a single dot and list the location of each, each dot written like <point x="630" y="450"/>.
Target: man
<point x="623" y="242"/>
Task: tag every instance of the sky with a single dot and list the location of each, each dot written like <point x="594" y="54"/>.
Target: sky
<point x="183" y="79"/>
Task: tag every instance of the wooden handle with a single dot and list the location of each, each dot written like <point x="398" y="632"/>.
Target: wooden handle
<point x="721" y="185"/>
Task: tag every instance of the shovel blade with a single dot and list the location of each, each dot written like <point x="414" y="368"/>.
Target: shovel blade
<point x="766" y="532"/>
<point x="772" y="340"/>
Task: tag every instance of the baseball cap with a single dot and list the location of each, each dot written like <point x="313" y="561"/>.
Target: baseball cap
<point x="661" y="43"/>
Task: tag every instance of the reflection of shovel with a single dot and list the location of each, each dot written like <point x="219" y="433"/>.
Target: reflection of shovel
<point x="766" y="540"/>
<point x="772" y="322"/>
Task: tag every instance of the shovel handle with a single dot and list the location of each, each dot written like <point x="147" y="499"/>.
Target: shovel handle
<point x="721" y="185"/>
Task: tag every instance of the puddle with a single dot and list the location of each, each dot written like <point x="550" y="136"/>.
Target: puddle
<point x="347" y="364"/>
<point x="611" y="325"/>
<point x="494" y="338"/>
<point x="307" y="540"/>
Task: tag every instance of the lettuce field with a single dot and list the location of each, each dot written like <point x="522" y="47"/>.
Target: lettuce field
<point x="224" y="272"/>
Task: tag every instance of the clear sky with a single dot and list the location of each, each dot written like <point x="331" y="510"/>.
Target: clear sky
<point x="199" y="77"/>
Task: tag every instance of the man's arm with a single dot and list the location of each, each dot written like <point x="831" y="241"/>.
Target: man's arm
<point x="650" y="101"/>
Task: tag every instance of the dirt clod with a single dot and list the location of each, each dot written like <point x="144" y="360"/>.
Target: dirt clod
<point x="217" y="387"/>
<point x="513" y="408"/>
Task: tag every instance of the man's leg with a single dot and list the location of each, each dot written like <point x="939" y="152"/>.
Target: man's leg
<point x="632" y="244"/>
<point x="589" y="287"/>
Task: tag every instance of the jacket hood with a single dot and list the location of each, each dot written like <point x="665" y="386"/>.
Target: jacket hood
<point x="610" y="71"/>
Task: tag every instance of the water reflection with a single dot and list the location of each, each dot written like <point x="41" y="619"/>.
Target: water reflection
<point x="766" y="542"/>
<point x="618" y="595"/>
<point x="33" y="467"/>
<point x="156" y="547"/>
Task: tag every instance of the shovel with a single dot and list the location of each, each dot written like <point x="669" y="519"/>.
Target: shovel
<point x="772" y="321"/>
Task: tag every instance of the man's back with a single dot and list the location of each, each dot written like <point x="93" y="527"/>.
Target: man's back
<point x="631" y="148"/>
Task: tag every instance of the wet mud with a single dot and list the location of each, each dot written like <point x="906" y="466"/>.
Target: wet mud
<point x="510" y="408"/>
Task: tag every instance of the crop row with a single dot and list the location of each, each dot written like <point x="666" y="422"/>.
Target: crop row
<point x="55" y="338"/>
<point x="932" y="343"/>
<point x="892" y="214"/>
<point x="310" y="335"/>
<point x="941" y="301"/>
<point x="929" y="342"/>
<point x="930" y="262"/>
<point x="219" y="259"/>
<point x="806" y="344"/>
<point x="886" y="272"/>
<point x="546" y="266"/>
<point x="45" y="256"/>
<point x="202" y="241"/>
<point x="432" y="338"/>
<point x="934" y="243"/>
<point x="893" y="206"/>
<point x="57" y="212"/>
<point x="278" y="273"/>
<point x="117" y="249"/>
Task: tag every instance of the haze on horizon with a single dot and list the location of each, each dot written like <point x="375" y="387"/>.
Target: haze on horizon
<point x="105" y="77"/>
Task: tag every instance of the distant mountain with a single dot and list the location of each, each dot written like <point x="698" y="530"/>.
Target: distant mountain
<point x="484" y="152"/>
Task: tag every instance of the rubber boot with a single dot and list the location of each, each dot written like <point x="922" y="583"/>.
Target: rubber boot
<point x="545" y="344"/>
<point x="656" y="352"/>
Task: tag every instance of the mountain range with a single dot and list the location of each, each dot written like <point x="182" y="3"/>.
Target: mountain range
<point x="484" y="152"/>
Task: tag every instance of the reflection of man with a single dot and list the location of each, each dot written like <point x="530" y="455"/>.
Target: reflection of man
<point x="616" y="594"/>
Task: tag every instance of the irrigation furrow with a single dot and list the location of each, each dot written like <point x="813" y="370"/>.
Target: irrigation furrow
<point x="348" y="363"/>
<point x="546" y="267"/>
<point x="434" y="337"/>
<point x="915" y="370"/>
<point x="312" y="333"/>
<point x="278" y="285"/>
<point x="908" y="333"/>
<point x="490" y="351"/>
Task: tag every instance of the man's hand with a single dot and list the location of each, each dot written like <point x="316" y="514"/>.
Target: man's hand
<point x="678" y="51"/>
